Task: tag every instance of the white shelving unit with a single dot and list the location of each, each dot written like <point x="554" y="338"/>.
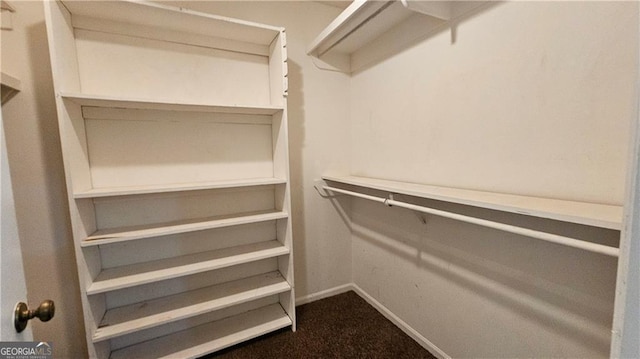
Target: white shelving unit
<point x="590" y="214"/>
<point x="174" y="135"/>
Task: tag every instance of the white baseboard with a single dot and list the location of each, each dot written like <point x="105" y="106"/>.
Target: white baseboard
<point x="324" y="294"/>
<point x="424" y="342"/>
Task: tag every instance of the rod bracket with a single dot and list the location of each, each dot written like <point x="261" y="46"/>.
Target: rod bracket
<point x="386" y="200"/>
<point x="319" y="184"/>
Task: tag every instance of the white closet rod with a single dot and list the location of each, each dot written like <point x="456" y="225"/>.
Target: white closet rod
<point x="554" y="238"/>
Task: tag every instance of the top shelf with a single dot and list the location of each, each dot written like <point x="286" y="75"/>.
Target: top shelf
<point x="179" y="19"/>
<point x="365" y="20"/>
<point x="591" y="214"/>
<point x="369" y="30"/>
<point x="347" y="32"/>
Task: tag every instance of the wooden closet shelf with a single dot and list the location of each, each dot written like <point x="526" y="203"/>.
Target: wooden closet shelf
<point x="591" y="214"/>
<point x="348" y="31"/>
<point x="109" y="236"/>
<point x="166" y="17"/>
<point x="139" y="316"/>
<point x="207" y="338"/>
<point x="346" y="42"/>
<point x="154" y="271"/>
<point x="167" y="105"/>
<point x="179" y="187"/>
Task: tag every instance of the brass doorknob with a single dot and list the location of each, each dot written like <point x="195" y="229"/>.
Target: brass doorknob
<point x="22" y="314"/>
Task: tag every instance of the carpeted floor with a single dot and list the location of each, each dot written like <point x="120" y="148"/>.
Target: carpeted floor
<point x="343" y="326"/>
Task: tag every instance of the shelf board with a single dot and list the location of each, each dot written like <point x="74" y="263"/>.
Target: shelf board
<point x="180" y="187"/>
<point x="591" y="214"/>
<point x="154" y="271"/>
<point x="363" y="22"/>
<point x="167" y="105"/>
<point x="346" y="33"/>
<point x="109" y="236"/>
<point x="368" y="31"/>
<point x="211" y="337"/>
<point x="140" y="316"/>
<point x="177" y="19"/>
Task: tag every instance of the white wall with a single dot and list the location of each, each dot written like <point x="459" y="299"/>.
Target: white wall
<point x="542" y="90"/>
<point x="318" y="105"/>
<point x="533" y="98"/>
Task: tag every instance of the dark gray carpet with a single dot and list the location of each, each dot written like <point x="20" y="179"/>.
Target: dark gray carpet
<point x="343" y="326"/>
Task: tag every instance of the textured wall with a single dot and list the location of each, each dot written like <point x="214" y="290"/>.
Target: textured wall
<point x="532" y="98"/>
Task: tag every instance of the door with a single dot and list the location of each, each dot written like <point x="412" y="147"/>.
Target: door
<point x="12" y="281"/>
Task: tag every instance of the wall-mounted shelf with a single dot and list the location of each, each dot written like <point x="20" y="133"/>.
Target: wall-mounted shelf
<point x="10" y="86"/>
<point x="368" y="30"/>
<point x="575" y="212"/>
<point x="357" y="25"/>
<point x="591" y="214"/>
<point x="364" y="21"/>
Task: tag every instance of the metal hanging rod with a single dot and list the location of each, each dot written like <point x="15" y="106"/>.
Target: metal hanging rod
<point x="553" y="238"/>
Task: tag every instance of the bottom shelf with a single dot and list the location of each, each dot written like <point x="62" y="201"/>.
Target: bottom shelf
<point x="148" y="314"/>
<point x="210" y="337"/>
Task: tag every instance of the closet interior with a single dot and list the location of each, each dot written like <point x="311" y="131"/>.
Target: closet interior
<point x="483" y="180"/>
